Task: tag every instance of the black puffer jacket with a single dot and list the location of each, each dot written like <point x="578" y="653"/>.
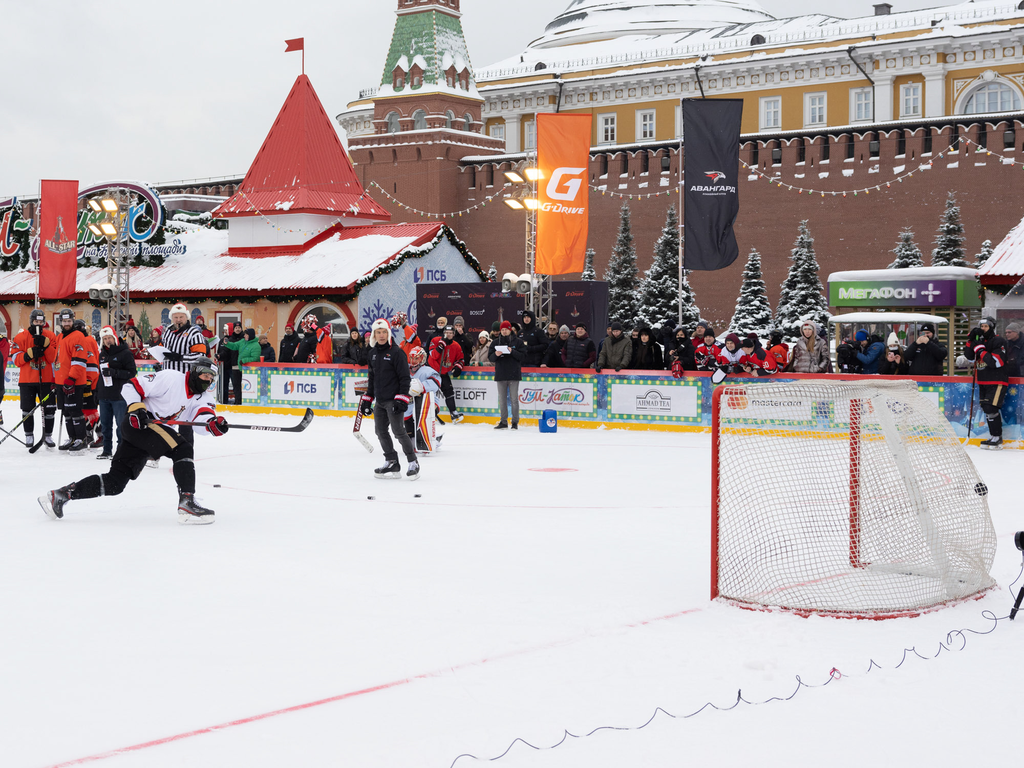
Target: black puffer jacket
<point x="118" y="363"/>
<point x="683" y="349"/>
<point x="289" y="343"/>
<point x="353" y="352"/>
<point x="553" y="357"/>
<point x="306" y="349"/>
<point x="579" y="353"/>
<point x="925" y="359"/>
<point x="535" y="339"/>
<point x="647" y="357"/>
<point x="388" y="372"/>
<point x="508" y="367"/>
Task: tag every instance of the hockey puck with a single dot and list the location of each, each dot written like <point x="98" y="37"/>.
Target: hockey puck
<point x="417" y="495"/>
<point x="981" y="489"/>
<point x="370" y="498"/>
<point x="216" y="485"/>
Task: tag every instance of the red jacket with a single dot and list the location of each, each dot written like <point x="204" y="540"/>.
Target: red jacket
<point x="706" y="356"/>
<point x="444" y="356"/>
<point x="761" y="361"/>
<point x="32" y="370"/>
<point x="324" y="346"/>
<point x="781" y="352"/>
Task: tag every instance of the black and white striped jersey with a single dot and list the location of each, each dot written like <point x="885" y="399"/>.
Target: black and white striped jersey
<point x="188" y="342"/>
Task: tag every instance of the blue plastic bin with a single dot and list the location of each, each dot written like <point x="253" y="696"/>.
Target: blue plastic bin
<point x="549" y="421"/>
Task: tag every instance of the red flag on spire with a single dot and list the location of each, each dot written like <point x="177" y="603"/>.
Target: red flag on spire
<point x="295" y="45"/>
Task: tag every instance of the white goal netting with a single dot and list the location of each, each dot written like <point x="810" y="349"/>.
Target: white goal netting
<point x="850" y="497"/>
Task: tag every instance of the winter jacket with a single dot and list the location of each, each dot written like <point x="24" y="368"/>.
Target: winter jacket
<point x="781" y="352"/>
<point x="893" y="367"/>
<point x="227" y="355"/>
<point x="730" y="360"/>
<point x="1015" y="357"/>
<point x="872" y="356"/>
<point x="647" y="357"/>
<point x="267" y="353"/>
<point x="535" y="339"/>
<point x="615" y="353"/>
<point x="926" y="359"/>
<point x="118" y="363"/>
<point x="684" y="354"/>
<point x="846" y="359"/>
<point x="353" y="352"/>
<point x="553" y="358"/>
<point x="705" y="357"/>
<point x="579" y="352"/>
<point x="34" y="360"/>
<point x="388" y="370"/>
<point x="289" y="345"/>
<point x="248" y="350"/>
<point x="480" y="355"/>
<point x="508" y="367"/>
<point x="306" y="351"/>
<point x="406" y="338"/>
<point x="134" y="343"/>
<point x="804" y="360"/>
<point x="988" y="351"/>
<point x="759" y="360"/>
<point x="466" y="343"/>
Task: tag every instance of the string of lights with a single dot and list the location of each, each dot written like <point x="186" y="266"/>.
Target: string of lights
<point x="428" y="214"/>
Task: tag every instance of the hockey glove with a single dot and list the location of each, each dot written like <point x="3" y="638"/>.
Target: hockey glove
<point x="40" y="342"/>
<point x="366" y="405"/>
<point x="976" y="337"/>
<point x="456" y="372"/>
<point x="962" y="362"/>
<point x="173" y="357"/>
<point x="617" y="370"/>
<point x="677" y="370"/>
<point x="138" y="418"/>
<point x="69" y="392"/>
<point x="30" y="353"/>
<point x="218" y="426"/>
<point x="440" y="345"/>
<point x="596" y="369"/>
<point x="403" y="399"/>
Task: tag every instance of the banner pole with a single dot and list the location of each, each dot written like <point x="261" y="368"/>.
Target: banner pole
<point x="679" y="191"/>
<point x="39" y="265"/>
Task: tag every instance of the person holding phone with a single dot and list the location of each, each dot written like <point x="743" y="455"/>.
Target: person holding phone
<point x="507" y="353"/>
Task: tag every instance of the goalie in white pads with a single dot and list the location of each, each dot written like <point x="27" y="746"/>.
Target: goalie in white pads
<point x="154" y="398"/>
<point x="421" y="415"/>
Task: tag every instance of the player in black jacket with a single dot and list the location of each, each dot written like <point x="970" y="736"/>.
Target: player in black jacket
<point x="988" y="351"/>
<point x="388" y="384"/>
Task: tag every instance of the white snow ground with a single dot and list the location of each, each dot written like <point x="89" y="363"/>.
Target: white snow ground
<point x="503" y="603"/>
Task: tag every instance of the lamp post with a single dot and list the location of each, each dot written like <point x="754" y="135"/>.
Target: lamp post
<point x="524" y="176"/>
<point x="115" y="204"/>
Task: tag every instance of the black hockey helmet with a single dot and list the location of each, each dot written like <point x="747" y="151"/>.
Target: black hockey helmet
<point x="36" y="314"/>
<point x="66" y="315"/>
<point x="79" y="325"/>
<point x="201" y="365"/>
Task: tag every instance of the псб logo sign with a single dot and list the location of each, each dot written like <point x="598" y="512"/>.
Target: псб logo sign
<point x="424" y="275"/>
<point x="299" y="387"/>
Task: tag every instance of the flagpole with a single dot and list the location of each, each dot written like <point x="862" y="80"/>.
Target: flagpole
<point x="39" y="208"/>
<point x="679" y="189"/>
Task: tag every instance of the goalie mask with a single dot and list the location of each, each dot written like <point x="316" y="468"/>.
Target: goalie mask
<point x="417" y="357"/>
<point x="200" y="366"/>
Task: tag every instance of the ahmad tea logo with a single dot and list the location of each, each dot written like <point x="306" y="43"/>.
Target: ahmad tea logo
<point x="652" y="401"/>
<point x="60" y="242"/>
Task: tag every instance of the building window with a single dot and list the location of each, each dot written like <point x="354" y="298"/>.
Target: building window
<point x="754" y="154"/>
<point x="393" y="125"/>
<point x="645" y="162"/>
<point x="910" y="100"/>
<point x="602" y="165"/>
<point x="449" y="118"/>
<point x="467" y="123"/>
<point x="530" y="135"/>
<point x="824" y="149"/>
<point x="850" y="147"/>
<point x="645" y="125"/>
<point x="419" y="120"/>
<point x="927" y="147"/>
<point x="771" y="112"/>
<point x="861" y="104"/>
<point x="901" y="144"/>
<point x="801" y="150"/>
<point x="497" y="131"/>
<point x="606" y="129"/>
<point x="874" y="146"/>
<point x="814" y="109"/>
<point x="776" y="153"/>
<point x="992" y="97"/>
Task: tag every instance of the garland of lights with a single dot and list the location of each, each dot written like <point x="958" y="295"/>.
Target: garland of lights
<point x="635" y="196"/>
<point x="453" y="215"/>
<point x="881" y="187"/>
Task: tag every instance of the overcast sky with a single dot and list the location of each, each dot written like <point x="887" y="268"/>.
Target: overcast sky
<point x="173" y="91"/>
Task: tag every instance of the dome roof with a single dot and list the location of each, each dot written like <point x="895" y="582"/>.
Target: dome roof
<point x="587" y="20"/>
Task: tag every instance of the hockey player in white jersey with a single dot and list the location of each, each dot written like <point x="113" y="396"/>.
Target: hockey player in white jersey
<point x="420" y="418"/>
<point x="154" y="398"/>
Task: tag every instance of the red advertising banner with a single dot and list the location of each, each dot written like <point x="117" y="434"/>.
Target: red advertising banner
<point x="58" y="236"/>
<point x="563" y="156"/>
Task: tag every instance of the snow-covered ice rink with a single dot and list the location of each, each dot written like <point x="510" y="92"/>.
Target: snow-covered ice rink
<point x="313" y="626"/>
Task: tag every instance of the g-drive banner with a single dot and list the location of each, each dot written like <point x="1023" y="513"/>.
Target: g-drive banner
<point x="711" y="146"/>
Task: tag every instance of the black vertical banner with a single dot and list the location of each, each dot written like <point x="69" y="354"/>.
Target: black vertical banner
<point x="711" y="162"/>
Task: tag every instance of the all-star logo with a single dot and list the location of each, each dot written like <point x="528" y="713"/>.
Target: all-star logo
<point x="715" y="176"/>
<point x="60" y="242"/>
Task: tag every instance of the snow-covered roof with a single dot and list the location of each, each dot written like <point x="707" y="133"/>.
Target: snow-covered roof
<point x="887" y="317"/>
<point x="904" y="275"/>
<point x="1007" y="260"/>
<point x="623" y="46"/>
<point x="343" y="257"/>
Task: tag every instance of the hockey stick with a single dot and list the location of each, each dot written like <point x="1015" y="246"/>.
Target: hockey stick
<point x="355" y="431"/>
<point x="60" y="434"/>
<point x="970" y="418"/>
<point x="12" y="435"/>
<point x="719" y="375"/>
<point x="27" y="417"/>
<point x="306" y="419"/>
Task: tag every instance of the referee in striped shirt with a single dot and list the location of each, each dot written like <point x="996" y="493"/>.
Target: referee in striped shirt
<point x="184" y="342"/>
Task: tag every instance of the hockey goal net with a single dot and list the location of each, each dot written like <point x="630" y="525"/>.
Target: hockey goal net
<point x="848" y="497"/>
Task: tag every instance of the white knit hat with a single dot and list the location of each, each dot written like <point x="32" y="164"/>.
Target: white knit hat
<point x="179" y="307"/>
<point x="105" y="331"/>
<point x="379" y="323"/>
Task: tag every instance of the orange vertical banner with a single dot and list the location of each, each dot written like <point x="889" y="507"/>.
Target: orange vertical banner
<point x="58" y="235"/>
<point x="563" y="156"/>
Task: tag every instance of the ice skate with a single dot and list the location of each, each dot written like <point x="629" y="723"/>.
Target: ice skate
<point x="66" y="445"/>
<point x="30" y="440"/>
<point x="414" y="470"/>
<point x="48" y="441"/>
<point x="106" y="456"/>
<point x="457" y="418"/>
<point x="153" y="463"/>
<point x="53" y="502"/>
<point x="76" y="447"/>
<point x="501" y="425"/>
<point x="391" y="470"/>
<point x="993" y="444"/>
<point x="191" y="512"/>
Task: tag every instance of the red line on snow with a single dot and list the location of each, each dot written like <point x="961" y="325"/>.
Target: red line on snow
<point x="351" y="694"/>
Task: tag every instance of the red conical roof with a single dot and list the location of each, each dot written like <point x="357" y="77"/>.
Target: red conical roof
<point x="302" y="168"/>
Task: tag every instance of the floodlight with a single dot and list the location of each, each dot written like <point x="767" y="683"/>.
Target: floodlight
<point x="531" y="203"/>
<point x="94" y="229"/>
<point x="108" y="229"/>
<point x="513" y="204"/>
<point x="534" y="174"/>
<point x="514" y="177"/>
<point x="109" y="205"/>
<point x="95" y="206"/>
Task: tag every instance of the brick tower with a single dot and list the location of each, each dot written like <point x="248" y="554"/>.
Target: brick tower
<point x="426" y="112"/>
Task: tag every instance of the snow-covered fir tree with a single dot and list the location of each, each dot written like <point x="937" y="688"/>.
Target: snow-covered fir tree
<point x="984" y="254"/>
<point x="949" y="242"/>
<point x="753" y="312"/>
<point x="659" y="288"/>
<point x="623" y="276"/>
<point x="802" y="297"/>
<point x="906" y="251"/>
<point x="589" y="273"/>
<point x="492" y="274"/>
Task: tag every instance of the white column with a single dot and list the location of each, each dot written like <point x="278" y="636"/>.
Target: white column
<point x="512" y="124"/>
<point x="883" y="97"/>
<point x="934" y="93"/>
